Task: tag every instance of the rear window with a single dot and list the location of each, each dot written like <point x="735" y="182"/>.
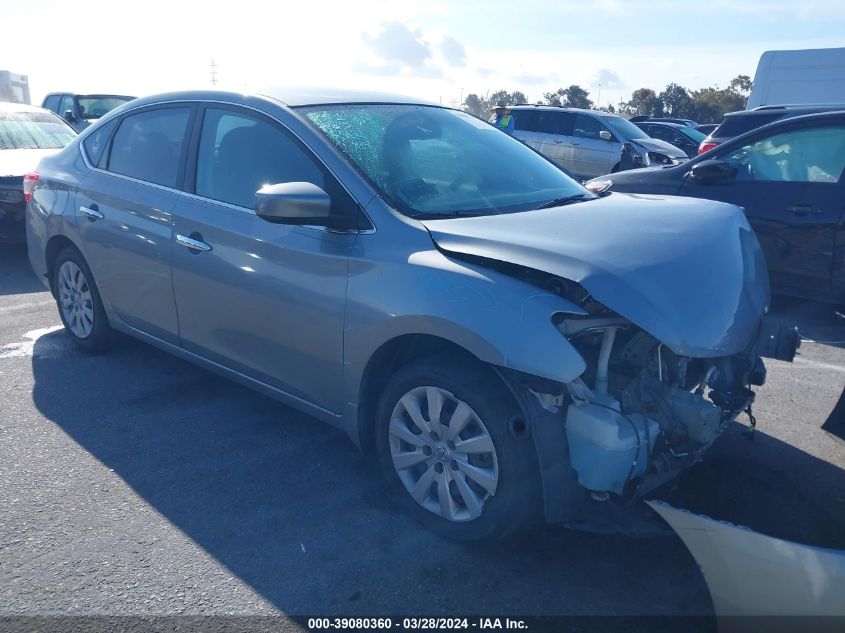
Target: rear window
<point x="33" y="130"/>
<point x="736" y="125"/>
<point x="93" y="107"/>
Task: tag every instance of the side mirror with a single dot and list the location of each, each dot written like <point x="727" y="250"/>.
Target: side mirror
<point x="70" y="117"/>
<point x="293" y="203"/>
<point x="605" y="135"/>
<point x="713" y="172"/>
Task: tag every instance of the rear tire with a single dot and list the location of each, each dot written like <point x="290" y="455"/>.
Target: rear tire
<point x="78" y="300"/>
<point x="464" y="473"/>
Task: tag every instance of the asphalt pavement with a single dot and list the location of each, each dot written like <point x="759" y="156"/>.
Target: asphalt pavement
<point x="135" y="483"/>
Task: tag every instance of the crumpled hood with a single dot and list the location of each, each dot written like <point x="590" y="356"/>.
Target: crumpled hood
<point x="17" y="162"/>
<point x="662" y="147"/>
<point x="690" y="272"/>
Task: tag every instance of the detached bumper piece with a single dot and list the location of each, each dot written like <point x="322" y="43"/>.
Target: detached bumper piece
<point x="777" y="340"/>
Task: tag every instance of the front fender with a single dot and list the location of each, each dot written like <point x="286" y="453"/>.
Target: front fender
<point x="501" y="320"/>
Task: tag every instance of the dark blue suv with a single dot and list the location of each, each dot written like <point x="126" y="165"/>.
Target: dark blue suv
<point x="788" y="176"/>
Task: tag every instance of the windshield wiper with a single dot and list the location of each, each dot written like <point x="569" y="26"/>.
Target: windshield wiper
<point x="443" y="214"/>
<point x="564" y="200"/>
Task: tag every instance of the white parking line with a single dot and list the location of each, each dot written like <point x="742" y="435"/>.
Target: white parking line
<point x="27" y="347"/>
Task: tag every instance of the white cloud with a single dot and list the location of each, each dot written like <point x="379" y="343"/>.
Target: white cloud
<point x="395" y="42"/>
<point x="452" y="51"/>
<point x="606" y="78"/>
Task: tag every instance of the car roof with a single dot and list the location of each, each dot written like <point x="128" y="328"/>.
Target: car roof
<point x="788" y="120"/>
<point x="788" y="110"/>
<point x="8" y="106"/>
<point x="553" y="108"/>
<point x="664" y="123"/>
<point x="289" y="96"/>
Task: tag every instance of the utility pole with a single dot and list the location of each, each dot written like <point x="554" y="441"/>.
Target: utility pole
<point x="213" y="67"/>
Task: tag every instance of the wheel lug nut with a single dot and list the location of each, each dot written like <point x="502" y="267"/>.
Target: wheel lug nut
<point x="434" y="436"/>
<point x="427" y="450"/>
<point x="438" y="468"/>
<point x="453" y="464"/>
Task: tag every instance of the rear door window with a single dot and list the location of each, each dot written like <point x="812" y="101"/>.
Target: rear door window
<point x="149" y="145"/>
<point x="560" y="123"/>
<point x="96" y="142"/>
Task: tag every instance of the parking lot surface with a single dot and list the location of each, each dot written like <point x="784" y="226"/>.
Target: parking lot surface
<point x="136" y="483"/>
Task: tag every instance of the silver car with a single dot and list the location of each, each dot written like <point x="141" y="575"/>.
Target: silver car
<point x="589" y="143"/>
<point x="506" y="342"/>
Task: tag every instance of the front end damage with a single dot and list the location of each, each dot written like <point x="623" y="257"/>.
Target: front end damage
<point x="665" y="300"/>
<point x="642" y="413"/>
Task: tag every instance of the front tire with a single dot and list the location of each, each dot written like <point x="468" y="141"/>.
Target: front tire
<point x="78" y="300"/>
<point x="446" y="443"/>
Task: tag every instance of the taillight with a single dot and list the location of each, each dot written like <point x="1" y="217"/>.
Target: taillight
<point x="706" y="146"/>
<point x="29" y="182"/>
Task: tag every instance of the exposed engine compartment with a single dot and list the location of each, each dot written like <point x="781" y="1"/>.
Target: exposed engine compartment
<point x="640" y="413"/>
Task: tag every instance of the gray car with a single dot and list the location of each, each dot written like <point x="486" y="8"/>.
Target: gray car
<point x="506" y="342"/>
<point x="589" y="143"/>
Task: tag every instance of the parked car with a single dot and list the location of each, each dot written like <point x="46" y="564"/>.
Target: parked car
<point x="421" y="280"/>
<point x="663" y="119"/>
<point x="588" y="143"/>
<point x="706" y="128"/>
<point x="681" y="136"/>
<point x="27" y="134"/>
<point x="81" y="110"/>
<point x="736" y="123"/>
<point x="788" y="176"/>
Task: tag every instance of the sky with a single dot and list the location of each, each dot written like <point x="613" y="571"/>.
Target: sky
<point x="440" y="51"/>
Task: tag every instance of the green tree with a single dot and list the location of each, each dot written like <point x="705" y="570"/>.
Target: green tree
<point x="475" y="105"/>
<point x="676" y="101"/>
<point x="644" y="102"/>
<point x="572" y="97"/>
<point x="741" y="84"/>
<point x="480" y="106"/>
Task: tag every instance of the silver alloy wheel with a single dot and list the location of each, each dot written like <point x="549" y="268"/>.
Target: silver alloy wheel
<point x="75" y="300"/>
<point x="443" y="453"/>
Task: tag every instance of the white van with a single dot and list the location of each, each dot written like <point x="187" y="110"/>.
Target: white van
<point x="810" y="76"/>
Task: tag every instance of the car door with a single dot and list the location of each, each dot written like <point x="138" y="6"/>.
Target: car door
<point x="591" y="155"/>
<point x="523" y="128"/>
<point x="673" y="136"/>
<point x="556" y="128"/>
<point x="124" y="213"/>
<point x="789" y="181"/>
<point x="266" y="300"/>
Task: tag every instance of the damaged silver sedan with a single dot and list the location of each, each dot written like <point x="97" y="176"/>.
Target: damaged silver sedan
<point x="506" y="342"/>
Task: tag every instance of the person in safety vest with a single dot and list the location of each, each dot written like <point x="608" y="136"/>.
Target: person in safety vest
<point x="502" y="117"/>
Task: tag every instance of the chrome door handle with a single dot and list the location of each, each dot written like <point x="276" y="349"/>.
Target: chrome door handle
<point x="194" y="245"/>
<point x="91" y="214"/>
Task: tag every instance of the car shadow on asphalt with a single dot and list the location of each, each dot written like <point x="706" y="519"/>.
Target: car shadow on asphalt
<point x="16" y="275"/>
<point x="292" y="508"/>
